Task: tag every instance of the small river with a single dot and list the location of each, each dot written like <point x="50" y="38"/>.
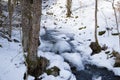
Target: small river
<point x="93" y="72"/>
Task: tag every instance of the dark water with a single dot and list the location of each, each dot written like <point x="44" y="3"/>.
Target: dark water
<point x="92" y="71"/>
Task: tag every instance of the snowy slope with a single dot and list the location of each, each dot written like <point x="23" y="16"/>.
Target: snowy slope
<point x="54" y="18"/>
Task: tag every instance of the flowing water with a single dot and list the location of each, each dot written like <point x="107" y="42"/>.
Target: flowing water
<point x="93" y="72"/>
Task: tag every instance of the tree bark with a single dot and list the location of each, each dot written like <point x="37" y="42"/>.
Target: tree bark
<point x="10" y="10"/>
<point x="0" y="8"/>
<point x="116" y="20"/>
<point x="96" y="22"/>
<point x="68" y="6"/>
<point x="0" y="13"/>
<point x="31" y="17"/>
<point x="26" y="23"/>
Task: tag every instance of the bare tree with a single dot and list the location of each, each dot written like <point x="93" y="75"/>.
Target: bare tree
<point x="96" y="48"/>
<point x="116" y="20"/>
<point x="68" y="6"/>
<point x="0" y="13"/>
<point x="10" y="10"/>
<point x="96" y="22"/>
<point x="31" y="17"/>
<point x="0" y="7"/>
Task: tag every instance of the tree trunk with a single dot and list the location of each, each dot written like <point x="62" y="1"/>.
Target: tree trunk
<point x="0" y="13"/>
<point x="96" y="23"/>
<point x="26" y="23"/>
<point x="34" y="30"/>
<point x="10" y="10"/>
<point x="0" y="8"/>
<point x="31" y="14"/>
<point x="116" y="20"/>
<point x="68" y="6"/>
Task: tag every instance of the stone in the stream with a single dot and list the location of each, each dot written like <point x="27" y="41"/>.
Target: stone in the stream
<point x="53" y="71"/>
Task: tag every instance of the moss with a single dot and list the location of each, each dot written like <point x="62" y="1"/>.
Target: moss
<point x="36" y="68"/>
<point x="76" y="16"/>
<point x="101" y="33"/>
<point x="82" y="28"/>
<point x="53" y="71"/>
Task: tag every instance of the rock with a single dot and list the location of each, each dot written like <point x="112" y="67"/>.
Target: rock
<point x="101" y="33"/>
<point x="15" y="40"/>
<point x="95" y="48"/>
<point x="0" y="45"/>
<point x="53" y="71"/>
<point x="117" y="60"/>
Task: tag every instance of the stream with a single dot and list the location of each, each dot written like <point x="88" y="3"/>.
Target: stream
<point x="93" y="72"/>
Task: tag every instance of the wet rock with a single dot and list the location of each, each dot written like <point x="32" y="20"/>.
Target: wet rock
<point x="15" y="40"/>
<point x="101" y="33"/>
<point x="36" y="71"/>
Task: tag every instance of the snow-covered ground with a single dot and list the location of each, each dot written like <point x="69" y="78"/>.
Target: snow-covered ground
<point x="54" y="18"/>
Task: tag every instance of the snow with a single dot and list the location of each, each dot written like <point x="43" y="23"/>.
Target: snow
<point x="61" y="46"/>
<point x="75" y="59"/>
<point x="62" y="36"/>
<point x="102" y="60"/>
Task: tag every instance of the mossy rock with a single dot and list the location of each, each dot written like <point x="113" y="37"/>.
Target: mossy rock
<point x="49" y="13"/>
<point x="96" y="48"/>
<point x="74" y="69"/>
<point x="76" y="16"/>
<point x="55" y="71"/>
<point x="82" y="28"/>
<point x="101" y="33"/>
<point x="115" y="34"/>
<point x="36" y="69"/>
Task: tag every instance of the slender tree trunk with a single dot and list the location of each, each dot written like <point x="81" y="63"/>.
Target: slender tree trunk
<point x="116" y="20"/>
<point x="96" y="23"/>
<point x="0" y="8"/>
<point x="0" y="13"/>
<point x="10" y="10"/>
<point x="68" y="6"/>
